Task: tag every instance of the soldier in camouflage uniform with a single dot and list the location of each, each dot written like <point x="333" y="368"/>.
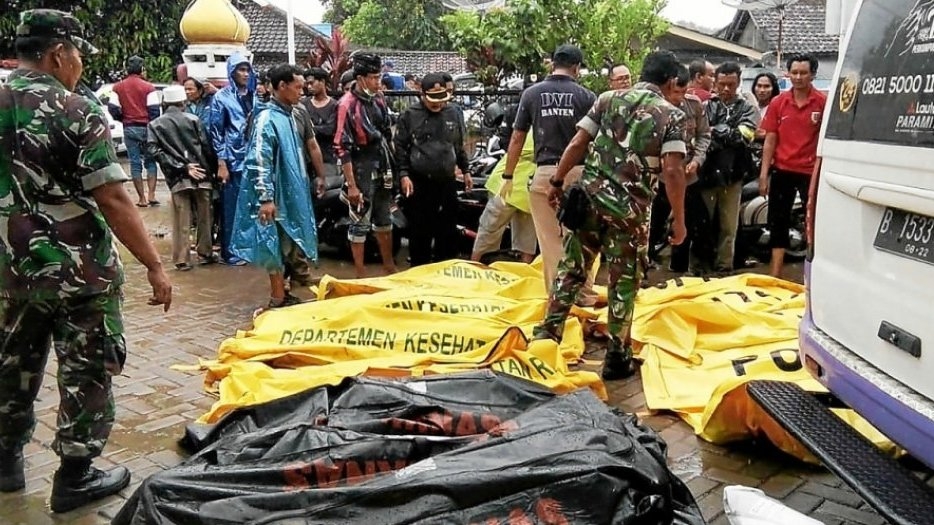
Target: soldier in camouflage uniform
<point x="633" y="136"/>
<point x="61" y="191"/>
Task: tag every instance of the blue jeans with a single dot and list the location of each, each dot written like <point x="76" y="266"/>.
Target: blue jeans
<point x="135" y="139"/>
<point x="229" y="194"/>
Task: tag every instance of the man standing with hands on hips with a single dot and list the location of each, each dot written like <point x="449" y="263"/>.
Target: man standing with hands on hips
<point x="551" y="109"/>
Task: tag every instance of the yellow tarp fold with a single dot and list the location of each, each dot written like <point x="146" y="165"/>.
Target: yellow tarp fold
<point x="701" y="341"/>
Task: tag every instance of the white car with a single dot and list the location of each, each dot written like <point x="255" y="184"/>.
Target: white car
<point x="116" y="128"/>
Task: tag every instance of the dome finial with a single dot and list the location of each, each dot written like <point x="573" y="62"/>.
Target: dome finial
<point x="213" y="22"/>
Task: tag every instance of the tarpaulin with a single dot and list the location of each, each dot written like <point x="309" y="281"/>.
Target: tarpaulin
<point x="438" y="318"/>
<point x="469" y="448"/>
<point x="703" y="340"/>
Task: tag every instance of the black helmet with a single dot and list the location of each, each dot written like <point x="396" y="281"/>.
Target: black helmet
<point x="493" y="115"/>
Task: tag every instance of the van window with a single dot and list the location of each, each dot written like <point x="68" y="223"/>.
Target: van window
<point x="886" y="84"/>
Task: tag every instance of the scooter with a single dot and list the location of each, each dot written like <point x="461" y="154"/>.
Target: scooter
<point x="753" y="235"/>
<point x="333" y="220"/>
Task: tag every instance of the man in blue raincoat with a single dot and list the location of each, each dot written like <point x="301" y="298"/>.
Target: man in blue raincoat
<point x="231" y="117"/>
<point x="275" y="225"/>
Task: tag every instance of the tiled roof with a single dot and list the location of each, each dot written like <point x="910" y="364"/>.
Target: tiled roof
<point x="802" y="31"/>
<point x="268" y="30"/>
<point x="422" y="62"/>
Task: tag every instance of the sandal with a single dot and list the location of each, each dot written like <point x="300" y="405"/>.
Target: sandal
<point x="288" y="300"/>
<point x="155" y="203"/>
<point x="183" y="267"/>
<point x="142" y="205"/>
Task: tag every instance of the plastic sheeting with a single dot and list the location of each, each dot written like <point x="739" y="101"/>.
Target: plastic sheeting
<point x="701" y="341"/>
<point x="465" y="448"/>
<point x="439" y="318"/>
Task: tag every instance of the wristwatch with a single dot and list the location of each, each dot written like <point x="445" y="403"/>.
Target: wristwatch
<point x="507" y="176"/>
<point x="556" y="183"/>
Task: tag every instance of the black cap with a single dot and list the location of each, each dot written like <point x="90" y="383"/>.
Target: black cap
<point x="366" y="63"/>
<point x="347" y="76"/>
<point x="567" y="55"/>
<point x="135" y="63"/>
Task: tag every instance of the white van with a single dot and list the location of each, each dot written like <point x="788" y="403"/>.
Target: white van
<point x="868" y="331"/>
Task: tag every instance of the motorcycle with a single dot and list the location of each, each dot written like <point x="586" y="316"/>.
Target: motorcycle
<point x="333" y="220"/>
<point x="470" y="204"/>
<point x="753" y="236"/>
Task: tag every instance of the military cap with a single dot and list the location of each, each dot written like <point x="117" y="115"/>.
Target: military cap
<point x="52" y="23"/>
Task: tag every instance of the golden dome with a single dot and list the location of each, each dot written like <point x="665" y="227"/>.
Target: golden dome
<point x="213" y="22"/>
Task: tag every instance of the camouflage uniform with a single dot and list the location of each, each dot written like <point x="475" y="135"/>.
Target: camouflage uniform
<point x="60" y="274"/>
<point x="631" y="130"/>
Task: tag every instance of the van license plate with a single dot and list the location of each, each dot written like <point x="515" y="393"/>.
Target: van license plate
<point x="907" y="234"/>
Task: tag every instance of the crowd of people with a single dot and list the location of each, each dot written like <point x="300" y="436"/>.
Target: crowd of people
<point x="581" y="178"/>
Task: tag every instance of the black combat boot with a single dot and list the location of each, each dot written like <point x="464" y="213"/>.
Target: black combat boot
<point x="618" y="365"/>
<point x="77" y="483"/>
<point x="12" y="477"/>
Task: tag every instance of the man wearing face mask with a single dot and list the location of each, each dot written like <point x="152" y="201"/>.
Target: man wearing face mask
<point x="60" y="273"/>
<point x="361" y="144"/>
<point x="429" y="146"/>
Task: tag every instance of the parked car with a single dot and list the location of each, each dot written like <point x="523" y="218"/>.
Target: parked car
<point x="116" y="128"/>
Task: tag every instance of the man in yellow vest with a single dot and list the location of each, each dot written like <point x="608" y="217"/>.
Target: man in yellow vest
<point x="508" y="205"/>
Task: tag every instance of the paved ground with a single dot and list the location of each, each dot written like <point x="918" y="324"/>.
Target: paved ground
<point x="154" y="403"/>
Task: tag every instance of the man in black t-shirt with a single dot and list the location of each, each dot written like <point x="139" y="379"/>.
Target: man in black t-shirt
<point x="323" y="112"/>
<point x="551" y="109"/>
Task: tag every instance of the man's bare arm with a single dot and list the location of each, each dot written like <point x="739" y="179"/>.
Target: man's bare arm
<point x="120" y="212"/>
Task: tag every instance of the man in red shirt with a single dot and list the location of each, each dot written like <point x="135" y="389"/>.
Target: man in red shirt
<point x="792" y="124"/>
<point x="132" y="92"/>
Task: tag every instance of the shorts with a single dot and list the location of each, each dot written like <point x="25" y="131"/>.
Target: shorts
<point x="377" y="218"/>
<point x="496" y="215"/>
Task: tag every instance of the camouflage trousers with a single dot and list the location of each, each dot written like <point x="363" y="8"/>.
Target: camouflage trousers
<point x="625" y="250"/>
<point x="87" y="335"/>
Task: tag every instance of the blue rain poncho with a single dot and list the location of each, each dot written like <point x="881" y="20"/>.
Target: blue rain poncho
<point x="230" y="115"/>
<point x="274" y="171"/>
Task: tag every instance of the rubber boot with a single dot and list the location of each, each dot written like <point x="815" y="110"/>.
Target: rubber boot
<point x="618" y="365"/>
<point x="12" y="477"/>
<point x="77" y="483"/>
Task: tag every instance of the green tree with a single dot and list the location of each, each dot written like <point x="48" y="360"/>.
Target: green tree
<point x="515" y="39"/>
<point x="396" y="24"/>
<point x="119" y="28"/>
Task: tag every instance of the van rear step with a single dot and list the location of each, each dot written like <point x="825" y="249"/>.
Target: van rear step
<point x="896" y="493"/>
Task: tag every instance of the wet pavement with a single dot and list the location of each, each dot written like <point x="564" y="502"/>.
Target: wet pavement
<point x="210" y="303"/>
